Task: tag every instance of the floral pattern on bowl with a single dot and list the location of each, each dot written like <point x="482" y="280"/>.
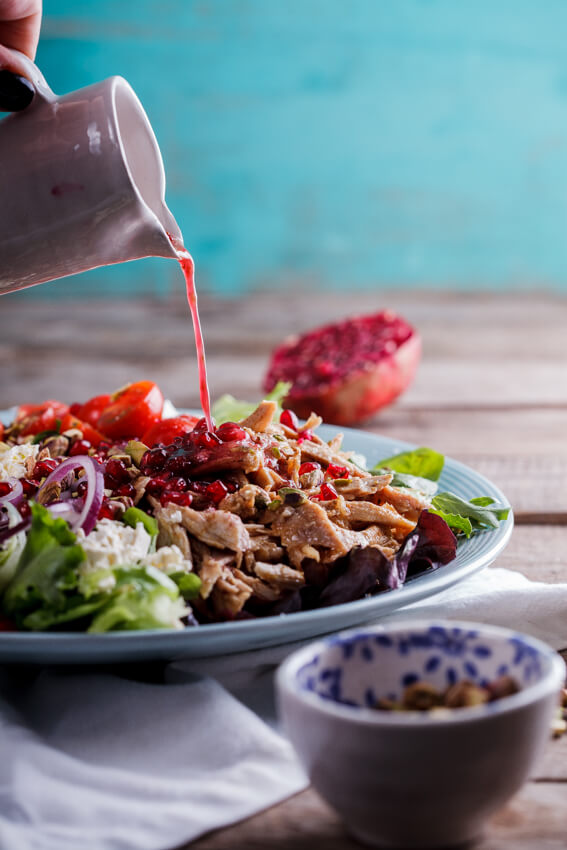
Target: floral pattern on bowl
<point x="359" y="668"/>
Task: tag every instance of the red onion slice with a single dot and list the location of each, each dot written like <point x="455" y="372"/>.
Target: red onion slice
<point x="16" y="493"/>
<point x="15" y="524"/>
<point x="86" y="516"/>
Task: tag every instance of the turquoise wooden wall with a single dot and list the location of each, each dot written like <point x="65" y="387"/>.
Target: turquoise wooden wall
<point x="340" y="142"/>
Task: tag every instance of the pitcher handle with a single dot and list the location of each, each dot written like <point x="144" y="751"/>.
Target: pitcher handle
<point x="19" y="63"/>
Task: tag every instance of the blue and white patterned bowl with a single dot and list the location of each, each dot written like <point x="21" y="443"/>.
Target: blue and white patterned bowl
<point x="414" y="779"/>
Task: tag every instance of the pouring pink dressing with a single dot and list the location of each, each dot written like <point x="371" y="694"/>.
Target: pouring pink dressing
<point x="188" y="269"/>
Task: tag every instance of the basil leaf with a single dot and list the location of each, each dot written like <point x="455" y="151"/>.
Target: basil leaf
<point x="422" y="462"/>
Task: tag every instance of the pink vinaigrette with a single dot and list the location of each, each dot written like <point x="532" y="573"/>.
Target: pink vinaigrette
<point x="188" y="269"/>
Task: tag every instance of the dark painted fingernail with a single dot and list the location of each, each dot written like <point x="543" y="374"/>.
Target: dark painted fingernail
<point x="15" y="92"/>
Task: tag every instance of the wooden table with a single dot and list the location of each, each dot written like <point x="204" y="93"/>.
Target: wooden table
<point x="491" y="391"/>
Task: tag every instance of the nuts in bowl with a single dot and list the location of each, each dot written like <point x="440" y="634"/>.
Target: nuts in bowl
<point x="419" y="778"/>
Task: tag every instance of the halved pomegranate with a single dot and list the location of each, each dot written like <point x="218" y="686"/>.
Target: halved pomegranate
<point x="347" y="371"/>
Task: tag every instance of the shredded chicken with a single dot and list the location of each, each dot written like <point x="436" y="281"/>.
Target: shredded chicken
<point x="217" y="528"/>
<point x="261" y="418"/>
<point x="274" y="524"/>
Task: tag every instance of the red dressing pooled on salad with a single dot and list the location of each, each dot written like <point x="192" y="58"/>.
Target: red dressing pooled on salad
<point x="188" y="269"/>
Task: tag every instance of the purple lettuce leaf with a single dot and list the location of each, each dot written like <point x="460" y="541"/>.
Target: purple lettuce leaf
<point x="368" y="571"/>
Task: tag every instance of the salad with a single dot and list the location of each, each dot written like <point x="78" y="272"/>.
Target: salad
<point x="116" y="514"/>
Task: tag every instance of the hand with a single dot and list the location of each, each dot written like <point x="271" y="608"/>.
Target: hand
<point x="20" y="21"/>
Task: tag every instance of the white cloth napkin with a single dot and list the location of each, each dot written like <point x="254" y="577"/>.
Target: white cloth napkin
<point x="97" y="762"/>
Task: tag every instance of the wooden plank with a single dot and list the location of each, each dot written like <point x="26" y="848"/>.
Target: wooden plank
<point x="538" y="553"/>
<point x="461" y="325"/>
<point x="473" y="433"/>
<point x="475" y="350"/>
<point x="535" y="819"/>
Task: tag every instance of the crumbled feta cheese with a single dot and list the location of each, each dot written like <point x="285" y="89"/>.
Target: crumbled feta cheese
<point x="112" y="544"/>
<point x="168" y="559"/>
<point x="13" y="459"/>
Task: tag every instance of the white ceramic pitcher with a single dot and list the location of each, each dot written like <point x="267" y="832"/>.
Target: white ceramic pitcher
<point x="81" y="184"/>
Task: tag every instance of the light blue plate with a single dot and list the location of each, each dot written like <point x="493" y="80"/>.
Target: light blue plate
<point x="224" y="638"/>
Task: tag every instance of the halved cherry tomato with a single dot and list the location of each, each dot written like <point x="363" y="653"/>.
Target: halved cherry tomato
<point x="34" y="418"/>
<point x="132" y="410"/>
<point x="89" y="433"/>
<point x="91" y="410"/>
<point x="167" y="430"/>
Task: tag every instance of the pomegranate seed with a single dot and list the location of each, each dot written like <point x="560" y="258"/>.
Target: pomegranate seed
<point x="5" y="488"/>
<point x="103" y="447"/>
<point x="201" y="426"/>
<point x="116" y="468"/>
<point x="179" y="465"/>
<point x="24" y="510"/>
<point x="335" y="471"/>
<point x="80" y="447"/>
<point x="305" y="435"/>
<point x="309" y="466"/>
<point x="108" y="510"/>
<point x="156" y="485"/>
<point x="199" y="486"/>
<point x="153" y="461"/>
<point x="328" y="492"/>
<point x="178" y="485"/>
<point x="207" y="440"/>
<point x="126" y="490"/>
<point x="29" y="487"/>
<point x="44" y="467"/>
<point x="230" y="432"/>
<point x="216" y="491"/>
<point x="183" y="499"/>
<point x="288" y="417"/>
<point x="82" y="488"/>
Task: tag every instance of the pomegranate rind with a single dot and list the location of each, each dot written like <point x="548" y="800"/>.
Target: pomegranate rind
<point x="356" y="397"/>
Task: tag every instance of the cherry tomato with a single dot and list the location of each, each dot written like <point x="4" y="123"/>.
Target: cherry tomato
<point x="1" y="432"/>
<point x="34" y="418"/>
<point x="91" y="410"/>
<point x="132" y="410"/>
<point x="89" y="433"/>
<point x="167" y="430"/>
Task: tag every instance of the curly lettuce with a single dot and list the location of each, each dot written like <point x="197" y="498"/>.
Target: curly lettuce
<point x="48" y="590"/>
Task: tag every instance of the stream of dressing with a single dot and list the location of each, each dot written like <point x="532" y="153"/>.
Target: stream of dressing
<point x="188" y="269"/>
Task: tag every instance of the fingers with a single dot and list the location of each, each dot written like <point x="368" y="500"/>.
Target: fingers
<point x="20" y="22"/>
<point x="15" y="92"/>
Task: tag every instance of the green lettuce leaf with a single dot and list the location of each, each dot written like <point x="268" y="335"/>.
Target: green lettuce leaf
<point x="422" y="463"/>
<point x="143" y="598"/>
<point x="46" y="576"/>
<point x="48" y="590"/>
<point x="189" y="584"/>
<point x="480" y="512"/>
<point x="229" y="409"/>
